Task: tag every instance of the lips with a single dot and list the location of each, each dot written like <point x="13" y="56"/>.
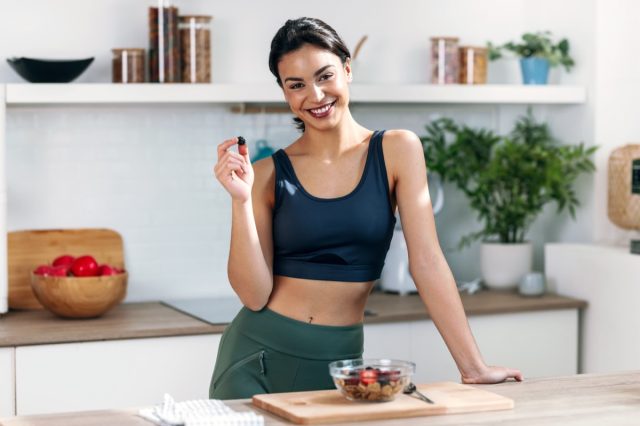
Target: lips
<point x="322" y="111"/>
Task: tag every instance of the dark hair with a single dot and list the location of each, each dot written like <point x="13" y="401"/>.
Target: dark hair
<point x="297" y="32"/>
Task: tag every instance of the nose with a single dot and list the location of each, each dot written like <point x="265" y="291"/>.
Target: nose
<point x="317" y="93"/>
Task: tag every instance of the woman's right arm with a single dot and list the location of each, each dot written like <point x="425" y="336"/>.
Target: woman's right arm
<point x="251" y="251"/>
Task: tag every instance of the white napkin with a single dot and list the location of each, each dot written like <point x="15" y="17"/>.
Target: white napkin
<point x="202" y="412"/>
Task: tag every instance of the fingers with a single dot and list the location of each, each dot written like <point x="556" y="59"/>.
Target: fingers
<point x="494" y="375"/>
<point x="243" y="149"/>
<point x="225" y="168"/>
<point x="231" y="164"/>
<point x="516" y="374"/>
<point x="224" y="146"/>
<point x="229" y="157"/>
<point x="232" y="154"/>
<point x="242" y="146"/>
<point x="508" y="373"/>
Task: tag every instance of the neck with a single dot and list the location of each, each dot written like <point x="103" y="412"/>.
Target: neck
<point x="331" y="143"/>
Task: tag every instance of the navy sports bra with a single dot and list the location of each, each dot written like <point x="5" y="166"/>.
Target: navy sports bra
<point x="336" y="239"/>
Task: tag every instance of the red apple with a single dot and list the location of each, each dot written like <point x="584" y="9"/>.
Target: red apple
<point x="44" y="270"/>
<point x="84" y="266"/>
<point x="65" y="259"/>
<point x="108" y="270"/>
<point x="59" y="271"/>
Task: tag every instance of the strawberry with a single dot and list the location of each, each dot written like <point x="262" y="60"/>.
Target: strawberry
<point x="368" y="376"/>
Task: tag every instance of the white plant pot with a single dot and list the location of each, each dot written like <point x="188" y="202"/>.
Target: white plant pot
<point x="504" y="265"/>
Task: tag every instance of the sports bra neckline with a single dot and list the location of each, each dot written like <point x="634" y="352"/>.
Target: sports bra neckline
<point x="342" y="197"/>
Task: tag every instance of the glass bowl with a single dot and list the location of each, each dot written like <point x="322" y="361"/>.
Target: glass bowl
<point x="374" y="380"/>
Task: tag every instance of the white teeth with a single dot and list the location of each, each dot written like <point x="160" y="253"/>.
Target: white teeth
<point x="321" y="110"/>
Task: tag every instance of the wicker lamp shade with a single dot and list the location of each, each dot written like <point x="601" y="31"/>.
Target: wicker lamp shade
<point x="624" y="186"/>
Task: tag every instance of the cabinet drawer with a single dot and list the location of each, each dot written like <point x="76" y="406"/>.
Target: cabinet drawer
<point x="113" y="374"/>
<point x="541" y="343"/>
<point x="7" y="382"/>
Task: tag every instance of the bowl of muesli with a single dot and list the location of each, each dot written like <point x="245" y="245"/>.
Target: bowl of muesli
<point x="374" y="380"/>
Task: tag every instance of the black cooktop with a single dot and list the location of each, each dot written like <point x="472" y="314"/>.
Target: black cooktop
<point x="214" y="310"/>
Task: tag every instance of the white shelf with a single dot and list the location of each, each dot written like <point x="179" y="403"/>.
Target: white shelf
<point x="99" y="93"/>
<point x="464" y="94"/>
<point x="107" y="93"/>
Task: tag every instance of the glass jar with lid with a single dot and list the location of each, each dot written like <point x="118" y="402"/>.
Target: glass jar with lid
<point x="473" y="65"/>
<point x="164" y="43"/>
<point x="444" y="60"/>
<point x="195" y="47"/>
<point x="128" y="65"/>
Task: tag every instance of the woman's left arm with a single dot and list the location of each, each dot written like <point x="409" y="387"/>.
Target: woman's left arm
<point x="427" y="264"/>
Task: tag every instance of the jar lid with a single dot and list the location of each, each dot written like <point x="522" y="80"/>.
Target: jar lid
<point x="133" y="50"/>
<point x="449" y="38"/>
<point x="199" y="18"/>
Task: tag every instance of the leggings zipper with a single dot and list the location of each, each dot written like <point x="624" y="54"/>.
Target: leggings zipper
<point x="259" y="355"/>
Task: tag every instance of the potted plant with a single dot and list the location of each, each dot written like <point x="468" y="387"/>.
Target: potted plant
<point x="537" y="53"/>
<point x="507" y="180"/>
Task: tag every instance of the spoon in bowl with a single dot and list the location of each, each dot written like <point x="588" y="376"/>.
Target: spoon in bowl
<point x="411" y="389"/>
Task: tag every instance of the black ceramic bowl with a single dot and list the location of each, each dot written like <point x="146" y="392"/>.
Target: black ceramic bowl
<point x="49" y="70"/>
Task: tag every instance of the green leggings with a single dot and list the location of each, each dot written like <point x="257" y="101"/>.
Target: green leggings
<point x="265" y="352"/>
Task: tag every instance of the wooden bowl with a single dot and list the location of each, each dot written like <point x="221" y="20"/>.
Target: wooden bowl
<point x="79" y="297"/>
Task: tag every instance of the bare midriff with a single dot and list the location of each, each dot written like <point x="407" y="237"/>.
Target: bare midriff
<point x="319" y="302"/>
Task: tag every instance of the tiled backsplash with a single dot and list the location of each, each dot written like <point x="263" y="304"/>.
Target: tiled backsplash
<point x="147" y="172"/>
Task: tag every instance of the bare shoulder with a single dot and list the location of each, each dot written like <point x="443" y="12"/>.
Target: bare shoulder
<point x="401" y="148"/>
<point x="264" y="180"/>
<point x="264" y="167"/>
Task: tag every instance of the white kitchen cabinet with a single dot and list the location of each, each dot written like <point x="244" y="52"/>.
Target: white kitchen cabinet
<point x="113" y="374"/>
<point x="136" y="372"/>
<point x="608" y="278"/>
<point x="542" y="343"/>
<point x="7" y="382"/>
<point x="390" y="340"/>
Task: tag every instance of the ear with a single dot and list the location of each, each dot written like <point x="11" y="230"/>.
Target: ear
<point x="348" y="71"/>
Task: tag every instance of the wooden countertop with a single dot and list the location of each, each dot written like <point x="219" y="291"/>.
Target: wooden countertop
<point x="126" y="321"/>
<point x="586" y="399"/>
<point x="153" y="319"/>
<point x="391" y="308"/>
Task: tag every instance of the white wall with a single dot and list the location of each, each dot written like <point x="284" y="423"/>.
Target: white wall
<point x="147" y="171"/>
<point x="242" y="30"/>
<point x="617" y="90"/>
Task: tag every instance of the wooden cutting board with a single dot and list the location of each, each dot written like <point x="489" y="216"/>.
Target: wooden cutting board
<point x="28" y="249"/>
<point x="330" y="406"/>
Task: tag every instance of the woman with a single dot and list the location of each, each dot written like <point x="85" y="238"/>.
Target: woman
<point x="311" y="227"/>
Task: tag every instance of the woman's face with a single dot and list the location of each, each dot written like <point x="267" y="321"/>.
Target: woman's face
<point x="315" y="84"/>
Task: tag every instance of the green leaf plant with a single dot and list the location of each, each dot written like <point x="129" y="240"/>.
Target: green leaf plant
<point x="538" y="45"/>
<point x="507" y="180"/>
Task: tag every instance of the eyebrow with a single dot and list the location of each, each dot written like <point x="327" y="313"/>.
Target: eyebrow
<point x="315" y="74"/>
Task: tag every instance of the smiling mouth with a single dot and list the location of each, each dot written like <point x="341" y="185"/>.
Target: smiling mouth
<point x="323" y="110"/>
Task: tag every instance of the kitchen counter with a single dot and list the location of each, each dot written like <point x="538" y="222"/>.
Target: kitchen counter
<point x="393" y="308"/>
<point x="587" y="399"/>
<point x="153" y="319"/>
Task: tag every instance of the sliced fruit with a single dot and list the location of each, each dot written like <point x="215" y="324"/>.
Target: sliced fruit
<point x="368" y="377"/>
